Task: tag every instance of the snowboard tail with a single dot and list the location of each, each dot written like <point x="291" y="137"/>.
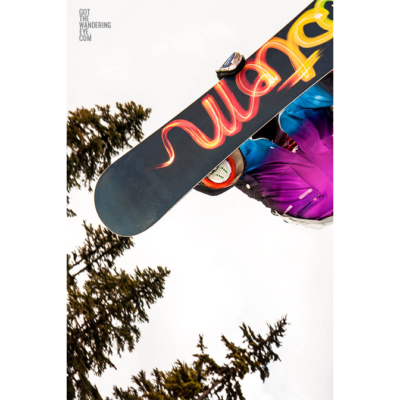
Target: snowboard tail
<point x="141" y="186"/>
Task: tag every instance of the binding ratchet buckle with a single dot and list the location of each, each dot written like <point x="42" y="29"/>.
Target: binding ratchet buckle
<point x="231" y="66"/>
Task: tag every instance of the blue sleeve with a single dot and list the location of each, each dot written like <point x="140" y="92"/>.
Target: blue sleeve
<point x="295" y="113"/>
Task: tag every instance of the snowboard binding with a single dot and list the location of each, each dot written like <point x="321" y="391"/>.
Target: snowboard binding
<point x="231" y="66"/>
<point x="221" y="176"/>
<point x="224" y="176"/>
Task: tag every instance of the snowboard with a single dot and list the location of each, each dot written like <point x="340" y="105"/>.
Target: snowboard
<point x="139" y="188"/>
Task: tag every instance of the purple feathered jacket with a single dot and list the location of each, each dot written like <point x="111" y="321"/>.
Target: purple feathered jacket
<point x="297" y="184"/>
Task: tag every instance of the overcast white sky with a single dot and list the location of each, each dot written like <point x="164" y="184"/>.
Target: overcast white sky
<point x="231" y="260"/>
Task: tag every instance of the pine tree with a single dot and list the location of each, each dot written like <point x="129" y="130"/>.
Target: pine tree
<point x="205" y="379"/>
<point x="104" y="312"/>
<point x="95" y="136"/>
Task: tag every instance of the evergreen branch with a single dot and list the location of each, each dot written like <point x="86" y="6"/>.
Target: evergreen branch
<point x="191" y="382"/>
<point x="101" y="247"/>
<point x="208" y="391"/>
<point x="94" y="261"/>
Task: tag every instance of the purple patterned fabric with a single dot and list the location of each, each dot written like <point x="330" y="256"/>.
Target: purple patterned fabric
<point x="298" y="184"/>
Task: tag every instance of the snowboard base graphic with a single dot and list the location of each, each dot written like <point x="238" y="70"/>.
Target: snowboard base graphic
<point x="141" y="186"/>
